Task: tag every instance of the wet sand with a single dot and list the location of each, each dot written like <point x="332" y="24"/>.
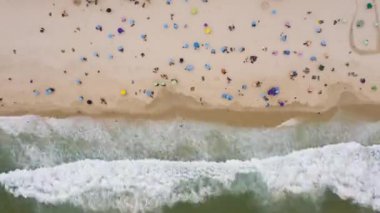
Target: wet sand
<point x="171" y="106"/>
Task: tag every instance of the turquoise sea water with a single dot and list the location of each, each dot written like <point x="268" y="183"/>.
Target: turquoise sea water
<point x="87" y="165"/>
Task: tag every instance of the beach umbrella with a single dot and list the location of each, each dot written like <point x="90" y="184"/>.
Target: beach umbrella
<point x="99" y="27"/>
<point x="149" y="93"/>
<point x="283" y="37"/>
<point x="286" y="52"/>
<point x="360" y="23"/>
<point x="189" y="67"/>
<point x="123" y="92"/>
<point x="227" y="96"/>
<point x="143" y="36"/>
<point x="49" y="91"/>
<point x="120" y="49"/>
<point x="171" y="62"/>
<point x="196" y="45"/>
<point x="274" y="91"/>
<point x="80" y="98"/>
<point x="207" y="66"/>
<point x="110" y="36"/>
<point x="36" y="92"/>
<point x="174" y="81"/>
<point x="131" y="22"/>
<point x="194" y="11"/>
<point x="120" y="30"/>
<point x="208" y="30"/>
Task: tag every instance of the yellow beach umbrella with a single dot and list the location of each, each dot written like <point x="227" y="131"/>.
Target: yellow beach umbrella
<point x="208" y="30"/>
<point x="123" y="92"/>
<point x="194" y="11"/>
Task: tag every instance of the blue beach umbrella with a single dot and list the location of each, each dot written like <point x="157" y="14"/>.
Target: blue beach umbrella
<point x="96" y="54"/>
<point x="207" y="66"/>
<point x="143" y="36"/>
<point x="227" y="96"/>
<point x="49" y="91"/>
<point x="131" y="22"/>
<point x="286" y="52"/>
<point x="149" y="93"/>
<point x="99" y="27"/>
<point x="189" y="67"/>
<point x="313" y="58"/>
<point x="110" y="36"/>
<point x="283" y="37"/>
<point x="80" y="98"/>
<point x="196" y="45"/>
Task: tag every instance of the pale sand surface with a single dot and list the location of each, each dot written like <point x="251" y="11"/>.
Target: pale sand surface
<point x="43" y="58"/>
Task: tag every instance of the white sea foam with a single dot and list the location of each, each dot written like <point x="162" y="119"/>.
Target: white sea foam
<point x="350" y="170"/>
<point x="290" y="122"/>
<point x="40" y="142"/>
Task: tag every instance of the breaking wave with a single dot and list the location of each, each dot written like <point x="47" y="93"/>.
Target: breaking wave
<point x="350" y="170"/>
<point x="33" y="142"/>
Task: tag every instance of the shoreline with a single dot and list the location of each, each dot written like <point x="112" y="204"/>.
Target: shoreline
<point x="171" y="106"/>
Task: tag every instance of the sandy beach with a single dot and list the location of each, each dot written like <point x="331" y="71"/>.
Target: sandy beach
<point x="183" y="106"/>
<point x="126" y="57"/>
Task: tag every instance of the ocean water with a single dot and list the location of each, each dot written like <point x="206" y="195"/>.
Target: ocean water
<point x="80" y="164"/>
